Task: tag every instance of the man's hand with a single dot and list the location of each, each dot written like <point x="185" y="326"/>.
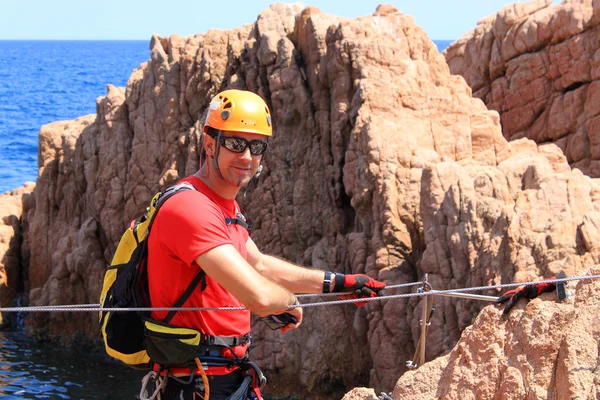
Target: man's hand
<point x="527" y="292"/>
<point x="360" y="286"/>
<point x="296" y="312"/>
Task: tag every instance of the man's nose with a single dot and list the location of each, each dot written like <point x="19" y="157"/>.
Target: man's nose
<point x="245" y="155"/>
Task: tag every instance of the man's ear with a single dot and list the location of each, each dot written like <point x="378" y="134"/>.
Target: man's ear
<point x="209" y="145"/>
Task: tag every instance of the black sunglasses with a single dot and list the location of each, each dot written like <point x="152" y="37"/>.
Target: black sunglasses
<point x="239" y="145"/>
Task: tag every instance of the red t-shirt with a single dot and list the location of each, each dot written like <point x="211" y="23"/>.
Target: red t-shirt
<point x="189" y="224"/>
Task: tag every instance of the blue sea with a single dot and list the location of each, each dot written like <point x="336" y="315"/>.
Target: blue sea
<point x="47" y="81"/>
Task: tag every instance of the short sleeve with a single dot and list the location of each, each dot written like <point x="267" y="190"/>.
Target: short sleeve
<point x="189" y="224"/>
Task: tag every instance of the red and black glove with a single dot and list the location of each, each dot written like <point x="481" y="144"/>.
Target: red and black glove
<point x="526" y="292"/>
<point x="359" y="286"/>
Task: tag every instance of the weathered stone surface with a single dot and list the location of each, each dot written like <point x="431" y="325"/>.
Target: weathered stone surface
<point x="14" y="256"/>
<point x="541" y="350"/>
<point x="67" y="260"/>
<point x="360" y="394"/>
<point x="538" y="65"/>
<point x="382" y="163"/>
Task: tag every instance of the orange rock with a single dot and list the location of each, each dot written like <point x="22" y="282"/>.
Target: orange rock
<point x="536" y="64"/>
<point x="543" y="349"/>
<point x="14" y="252"/>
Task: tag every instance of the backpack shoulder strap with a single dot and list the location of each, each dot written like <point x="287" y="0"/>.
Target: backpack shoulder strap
<point x="162" y="198"/>
<point x="239" y="219"/>
<point x="166" y="195"/>
<point x="170" y="191"/>
<point x="186" y="294"/>
<point x="200" y="275"/>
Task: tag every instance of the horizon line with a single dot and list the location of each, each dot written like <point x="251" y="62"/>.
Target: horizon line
<point x="122" y="40"/>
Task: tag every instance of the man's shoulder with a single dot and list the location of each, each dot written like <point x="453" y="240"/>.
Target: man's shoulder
<point x="189" y="198"/>
<point x="187" y="203"/>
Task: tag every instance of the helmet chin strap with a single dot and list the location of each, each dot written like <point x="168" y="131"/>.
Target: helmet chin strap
<point x="216" y="156"/>
<point x="256" y="175"/>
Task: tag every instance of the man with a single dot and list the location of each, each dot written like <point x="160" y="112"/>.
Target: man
<point x="203" y="229"/>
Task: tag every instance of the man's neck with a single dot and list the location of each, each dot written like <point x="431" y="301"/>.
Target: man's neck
<point x="218" y="185"/>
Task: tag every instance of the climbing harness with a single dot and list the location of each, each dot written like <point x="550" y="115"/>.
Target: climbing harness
<point x="251" y="385"/>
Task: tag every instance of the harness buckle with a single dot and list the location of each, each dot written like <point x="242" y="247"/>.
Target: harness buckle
<point x="244" y="339"/>
<point x="208" y="340"/>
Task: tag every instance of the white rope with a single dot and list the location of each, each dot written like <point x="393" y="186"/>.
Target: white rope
<point x="159" y="383"/>
<point x="96" y="307"/>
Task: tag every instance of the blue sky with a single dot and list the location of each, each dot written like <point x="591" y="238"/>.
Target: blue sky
<point x="138" y="20"/>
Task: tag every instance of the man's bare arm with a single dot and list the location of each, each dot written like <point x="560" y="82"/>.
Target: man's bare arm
<point x="227" y="267"/>
<point x="294" y="278"/>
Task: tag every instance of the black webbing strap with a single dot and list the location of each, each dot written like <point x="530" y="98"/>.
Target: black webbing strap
<point x="166" y="195"/>
<point x="162" y="198"/>
<point x="230" y="341"/>
<point x="238" y="221"/>
<point x="186" y="295"/>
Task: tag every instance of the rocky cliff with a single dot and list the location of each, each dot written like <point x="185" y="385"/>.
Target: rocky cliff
<point x="14" y="248"/>
<point x="538" y="65"/>
<point x="541" y="350"/>
<point x="381" y="163"/>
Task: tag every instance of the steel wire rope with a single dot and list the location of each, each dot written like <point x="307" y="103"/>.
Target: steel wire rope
<point x="96" y="307"/>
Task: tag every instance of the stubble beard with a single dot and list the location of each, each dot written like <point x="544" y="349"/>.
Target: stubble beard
<point x="239" y="181"/>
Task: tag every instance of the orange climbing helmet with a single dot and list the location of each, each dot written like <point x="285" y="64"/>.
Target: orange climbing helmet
<point x="239" y="111"/>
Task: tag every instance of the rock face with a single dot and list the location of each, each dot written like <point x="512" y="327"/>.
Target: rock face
<point x="538" y="65"/>
<point x="14" y="253"/>
<point x="76" y="212"/>
<point x="381" y="163"/>
<point x="541" y="350"/>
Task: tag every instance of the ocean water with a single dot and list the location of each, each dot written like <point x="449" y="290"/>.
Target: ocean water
<point x="47" y="81"/>
<point x="30" y="370"/>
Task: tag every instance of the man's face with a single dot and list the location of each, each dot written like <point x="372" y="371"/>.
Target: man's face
<point x="238" y="168"/>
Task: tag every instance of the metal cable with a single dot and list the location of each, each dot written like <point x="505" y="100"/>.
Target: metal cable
<point x="96" y="307"/>
<point x="304" y="295"/>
